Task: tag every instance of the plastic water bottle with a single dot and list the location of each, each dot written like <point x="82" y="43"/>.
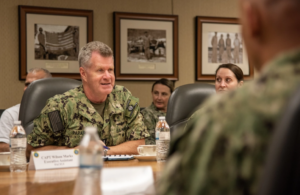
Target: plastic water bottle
<point x="162" y="137"/>
<point x="90" y="164"/>
<point x="18" y="143"/>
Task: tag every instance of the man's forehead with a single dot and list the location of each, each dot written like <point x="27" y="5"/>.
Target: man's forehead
<point x="99" y="59"/>
<point x="103" y="65"/>
<point x="96" y="54"/>
<point x="110" y="64"/>
<point x="35" y="75"/>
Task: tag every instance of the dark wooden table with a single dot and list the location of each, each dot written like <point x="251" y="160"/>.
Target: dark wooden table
<point x="56" y="181"/>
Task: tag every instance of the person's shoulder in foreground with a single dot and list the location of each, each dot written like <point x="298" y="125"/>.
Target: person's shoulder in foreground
<point x="223" y="148"/>
<point x="7" y="122"/>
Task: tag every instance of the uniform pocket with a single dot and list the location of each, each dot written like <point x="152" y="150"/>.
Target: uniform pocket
<point x="118" y="134"/>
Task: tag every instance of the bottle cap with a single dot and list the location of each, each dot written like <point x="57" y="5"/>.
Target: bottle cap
<point x="90" y="129"/>
<point x="17" y="122"/>
<point x="162" y="118"/>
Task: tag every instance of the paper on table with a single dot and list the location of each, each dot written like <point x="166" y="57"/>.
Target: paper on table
<point x="54" y="175"/>
<point x="126" y="180"/>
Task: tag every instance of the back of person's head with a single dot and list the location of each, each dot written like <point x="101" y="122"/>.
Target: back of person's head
<point x="165" y="82"/>
<point x="47" y="74"/>
<point x="36" y="74"/>
<point x="269" y="27"/>
<point x="237" y="71"/>
<point x="281" y="12"/>
<point x="86" y="51"/>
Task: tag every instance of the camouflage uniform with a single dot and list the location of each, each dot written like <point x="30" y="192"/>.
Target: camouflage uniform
<point x="122" y="120"/>
<point x="151" y="115"/>
<point x="223" y="147"/>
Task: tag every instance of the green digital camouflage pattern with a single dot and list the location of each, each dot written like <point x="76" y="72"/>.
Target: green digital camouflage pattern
<point x="151" y="115"/>
<point x="223" y="147"/>
<point x="122" y="119"/>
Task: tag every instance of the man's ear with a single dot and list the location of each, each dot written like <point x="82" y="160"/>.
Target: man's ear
<point x="240" y="83"/>
<point x="253" y="17"/>
<point x="83" y="74"/>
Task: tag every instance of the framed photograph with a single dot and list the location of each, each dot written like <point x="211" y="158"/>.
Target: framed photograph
<point x="50" y="38"/>
<point x="146" y="46"/>
<point x="219" y="41"/>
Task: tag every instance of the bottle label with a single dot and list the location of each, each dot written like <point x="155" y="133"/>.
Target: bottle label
<point x="18" y="143"/>
<point x="164" y="136"/>
<point x="157" y="135"/>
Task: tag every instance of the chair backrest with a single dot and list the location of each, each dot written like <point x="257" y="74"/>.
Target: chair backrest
<point x="281" y="174"/>
<point x="1" y="111"/>
<point x="37" y="94"/>
<point x="184" y="101"/>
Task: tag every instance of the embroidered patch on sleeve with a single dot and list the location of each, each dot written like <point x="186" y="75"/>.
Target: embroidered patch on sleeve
<point x="55" y="121"/>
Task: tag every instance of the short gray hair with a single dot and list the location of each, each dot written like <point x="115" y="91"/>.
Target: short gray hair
<point x="86" y="51"/>
<point x="35" y="70"/>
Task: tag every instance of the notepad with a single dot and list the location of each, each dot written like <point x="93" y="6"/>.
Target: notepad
<point x="117" y="157"/>
<point x="127" y="180"/>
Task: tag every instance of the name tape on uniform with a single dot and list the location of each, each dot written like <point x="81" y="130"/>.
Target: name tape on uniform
<point x="53" y="159"/>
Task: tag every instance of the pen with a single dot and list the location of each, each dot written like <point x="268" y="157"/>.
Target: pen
<point x="105" y="147"/>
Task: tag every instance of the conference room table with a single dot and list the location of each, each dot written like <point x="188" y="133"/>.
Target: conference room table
<point x="58" y="181"/>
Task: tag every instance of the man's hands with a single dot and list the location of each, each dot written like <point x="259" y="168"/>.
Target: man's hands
<point x="129" y="147"/>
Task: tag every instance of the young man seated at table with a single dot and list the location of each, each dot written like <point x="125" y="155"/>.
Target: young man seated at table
<point x="12" y="114"/>
<point x="97" y="102"/>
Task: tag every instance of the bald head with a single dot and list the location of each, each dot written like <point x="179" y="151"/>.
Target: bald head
<point x="36" y="74"/>
<point x="269" y="27"/>
<point x="281" y="12"/>
<point x="281" y="7"/>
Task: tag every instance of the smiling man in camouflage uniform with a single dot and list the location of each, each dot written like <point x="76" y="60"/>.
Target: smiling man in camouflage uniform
<point x="223" y="149"/>
<point x="98" y="102"/>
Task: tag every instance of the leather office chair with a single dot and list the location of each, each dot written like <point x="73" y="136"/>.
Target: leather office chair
<point x="1" y="111"/>
<point x="36" y="96"/>
<point x="184" y="101"/>
<point x="281" y="174"/>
